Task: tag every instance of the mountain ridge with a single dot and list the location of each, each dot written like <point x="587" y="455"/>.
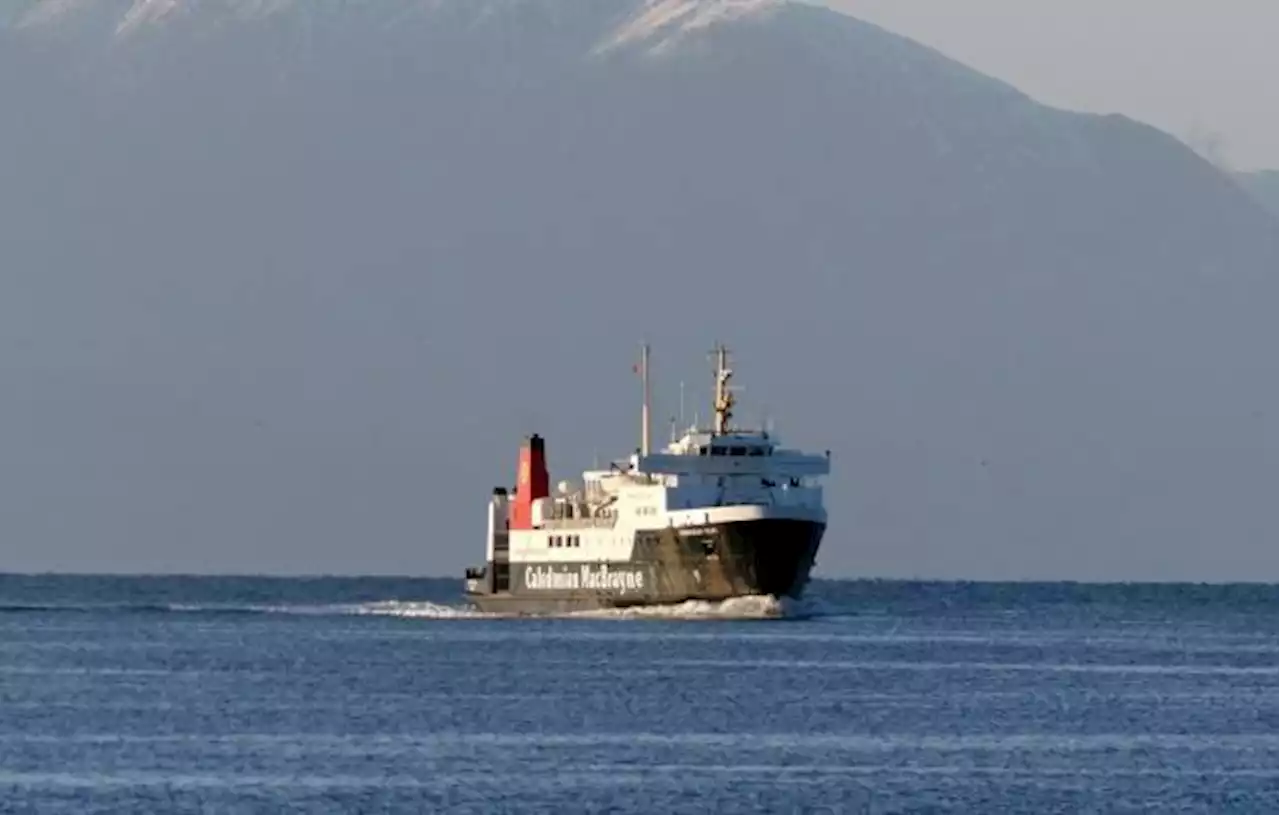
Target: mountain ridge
<point x="1263" y="185"/>
<point x="126" y="17"/>
<point x="311" y="282"/>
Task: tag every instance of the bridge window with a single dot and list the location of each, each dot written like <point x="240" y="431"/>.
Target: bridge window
<point x="756" y="451"/>
<point x="737" y="451"/>
<point x="717" y="451"/>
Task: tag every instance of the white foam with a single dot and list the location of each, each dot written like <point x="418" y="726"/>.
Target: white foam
<point x="386" y="608"/>
<point x="423" y="609"/>
<point x="751" y="607"/>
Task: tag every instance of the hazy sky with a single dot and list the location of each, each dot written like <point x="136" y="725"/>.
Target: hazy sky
<point x="285" y="299"/>
<point x="1200" y="70"/>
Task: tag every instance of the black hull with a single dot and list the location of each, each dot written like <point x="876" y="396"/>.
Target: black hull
<point x="668" y="566"/>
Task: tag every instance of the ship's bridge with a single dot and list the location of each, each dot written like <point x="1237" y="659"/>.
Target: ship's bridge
<point x="736" y="443"/>
<point x="740" y="452"/>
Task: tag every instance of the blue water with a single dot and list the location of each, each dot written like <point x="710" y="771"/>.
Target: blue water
<point x="365" y="695"/>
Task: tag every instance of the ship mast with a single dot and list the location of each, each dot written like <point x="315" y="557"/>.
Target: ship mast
<point x="724" y="400"/>
<point x="644" y="409"/>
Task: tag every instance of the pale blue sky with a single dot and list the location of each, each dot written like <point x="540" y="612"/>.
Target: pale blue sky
<point x="1203" y="71"/>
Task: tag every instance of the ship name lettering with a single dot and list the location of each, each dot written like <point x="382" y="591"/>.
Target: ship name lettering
<point x="619" y="580"/>
<point x="546" y="579"/>
<point x="587" y="576"/>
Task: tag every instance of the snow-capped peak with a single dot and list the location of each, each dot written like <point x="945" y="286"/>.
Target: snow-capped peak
<point x="145" y="12"/>
<point x="662" y="21"/>
<point x="131" y="16"/>
<point x="48" y="12"/>
<point x="652" y="23"/>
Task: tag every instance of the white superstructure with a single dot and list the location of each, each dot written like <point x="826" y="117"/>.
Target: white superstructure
<point x="706" y="477"/>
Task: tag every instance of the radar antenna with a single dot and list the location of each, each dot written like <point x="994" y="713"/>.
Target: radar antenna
<point x="724" y="400"/>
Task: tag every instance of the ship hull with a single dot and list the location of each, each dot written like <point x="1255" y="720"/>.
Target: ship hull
<point x="771" y="556"/>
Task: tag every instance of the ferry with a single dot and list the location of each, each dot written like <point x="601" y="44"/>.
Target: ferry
<point x="720" y="512"/>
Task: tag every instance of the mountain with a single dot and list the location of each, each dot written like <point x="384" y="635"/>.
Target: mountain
<point x="285" y="282"/>
<point x="1264" y="186"/>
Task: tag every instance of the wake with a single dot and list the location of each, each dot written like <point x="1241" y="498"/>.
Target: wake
<point x="756" y="607"/>
<point x="753" y="607"/>
<point x="735" y="608"/>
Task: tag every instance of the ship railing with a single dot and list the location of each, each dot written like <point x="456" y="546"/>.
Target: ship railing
<point x="579" y="523"/>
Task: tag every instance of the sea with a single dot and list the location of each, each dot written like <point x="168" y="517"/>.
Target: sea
<point x="236" y="694"/>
